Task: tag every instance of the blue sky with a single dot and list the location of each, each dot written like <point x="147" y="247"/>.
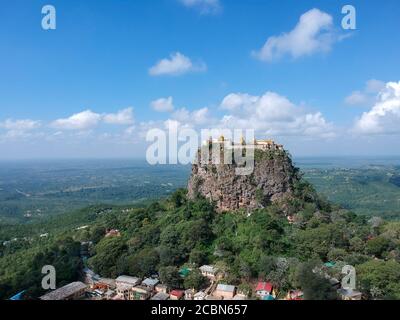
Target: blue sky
<point x="104" y="56"/>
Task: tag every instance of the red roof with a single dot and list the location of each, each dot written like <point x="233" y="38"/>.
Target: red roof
<point x="264" y="286"/>
<point x="177" y="293"/>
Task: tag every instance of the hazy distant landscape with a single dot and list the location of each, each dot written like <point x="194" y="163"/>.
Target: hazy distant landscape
<point x="32" y="190"/>
<point x="366" y="186"/>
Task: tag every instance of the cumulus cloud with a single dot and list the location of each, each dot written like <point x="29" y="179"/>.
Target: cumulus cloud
<point x="313" y="33"/>
<point x="163" y="104"/>
<point x="177" y="64"/>
<point x="88" y="119"/>
<point x="384" y="117"/>
<point x="273" y="114"/>
<point x="79" y="121"/>
<point x="204" y="6"/>
<point x="193" y="118"/>
<point x="235" y="101"/>
<point x="367" y="96"/>
<point x="122" y="117"/>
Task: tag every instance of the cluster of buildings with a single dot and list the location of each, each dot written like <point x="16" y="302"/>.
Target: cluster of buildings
<point x="94" y="287"/>
<point x="126" y="287"/>
<point x="256" y="144"/>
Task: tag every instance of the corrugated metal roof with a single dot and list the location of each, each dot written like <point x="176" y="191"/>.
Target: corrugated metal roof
<point x="226" y="288"/>
<point x="127" y="279"/>
<point x="150" y="282"/>
<point x="209" y="269"/>
<point x="64" y="292"/>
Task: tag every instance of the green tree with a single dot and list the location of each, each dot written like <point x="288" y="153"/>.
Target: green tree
<point x="381" y="275"/>
<point x="378" y="246"/>
<point x="314" y="285"/>
<point x="170" y="276"/>
<point x="108" y="251"/>
<point x="195" y="280"/>
<point x="198" y="256"/>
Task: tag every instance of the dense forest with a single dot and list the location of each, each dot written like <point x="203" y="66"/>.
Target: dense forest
<point x="169" y="234"/>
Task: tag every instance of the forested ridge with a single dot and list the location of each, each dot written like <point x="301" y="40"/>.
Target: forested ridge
<point x="169" y="234"/>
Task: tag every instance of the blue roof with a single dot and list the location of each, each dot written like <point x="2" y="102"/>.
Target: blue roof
<point x="18" y="296"/>
<point x="268" y="297"/>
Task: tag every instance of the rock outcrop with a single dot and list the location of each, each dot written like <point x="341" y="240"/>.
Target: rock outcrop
<point x="272" y="180"/>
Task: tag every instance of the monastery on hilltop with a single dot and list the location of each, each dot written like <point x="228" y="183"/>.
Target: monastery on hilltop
<point x="257" y="144"/>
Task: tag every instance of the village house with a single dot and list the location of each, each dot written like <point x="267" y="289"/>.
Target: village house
<point x="109" y="294"/>
<point x="199" y="296"/>
<point x="72" y="291"/>
<point x="209" y="272"/>
<point x="176" y="294"/>
<point x="125" y="284"/>
<point x="189" y="294"/>
<point x="150" y="283"/>
<point x="264" y="289"/>
<point x="124" y="291"/>
<point x="140" y="293"/>
<point x="106" y="283"/>
<point x="348" y="294"/>
<point x="161" y="288"/>
<point x="225" y="291"/>
<point x="239" y="297"/>
<point x="127" y="280"/>
<point x="160" y="296"/>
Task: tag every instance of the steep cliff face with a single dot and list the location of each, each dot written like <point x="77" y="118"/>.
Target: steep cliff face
<point x="272" y="180"/>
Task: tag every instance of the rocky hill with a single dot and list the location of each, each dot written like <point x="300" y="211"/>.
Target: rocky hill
<point x="272" y="180"/>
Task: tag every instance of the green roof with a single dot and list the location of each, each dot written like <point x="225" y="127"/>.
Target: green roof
<point x="330" y="264"/>
<point x="184" y="272"/>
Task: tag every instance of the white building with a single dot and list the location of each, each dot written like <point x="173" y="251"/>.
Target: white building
<point x="209" y="271"/>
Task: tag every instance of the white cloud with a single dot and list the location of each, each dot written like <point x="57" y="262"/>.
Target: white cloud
<point x="80" y="121"/>
<point x="374" y="86"/>
<point x="18" y="129"/>
<point x="204" y="6"/>
<point x="384" y="117"/>
<point x="273" y="114"/>
<point x="122" y="117"/>
<point x="163" y="104"/>
<point x="356" y="98"/>
<point x="367" y="96"/>
<point x="176" y="64"/>
<point x="235" y="101"/>
<point x="88" y="119"/>
<point x="313" y="33"/>
<point x="20" y="125"/>
<point x="194" y="118"/>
